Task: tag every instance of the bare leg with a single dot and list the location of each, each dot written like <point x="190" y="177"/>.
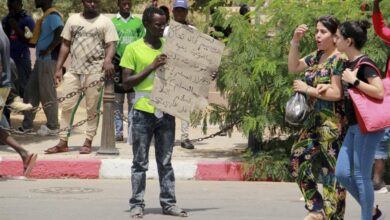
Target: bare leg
<point x="87" y="147"/>
<point x="87" y="142"/>
<point x="9" y="140"/>
<point x="379" y="169"/>
<point x="62" y="143"/>
<point x="27" y="158"/>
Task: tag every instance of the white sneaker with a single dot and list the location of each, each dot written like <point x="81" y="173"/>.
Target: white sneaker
<point x="382" y="190"/>
<point x="45" y="131"/>
<point x="18" y="105"/>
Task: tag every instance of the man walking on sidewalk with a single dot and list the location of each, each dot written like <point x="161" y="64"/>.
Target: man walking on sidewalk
<point x="90" y="39"/>
<point x="139" y="62"/>
<point x="41" y="86"/>
<point x="5" y="87"/>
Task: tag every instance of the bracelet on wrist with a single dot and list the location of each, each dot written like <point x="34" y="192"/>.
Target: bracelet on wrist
<point x="294" y="44"/>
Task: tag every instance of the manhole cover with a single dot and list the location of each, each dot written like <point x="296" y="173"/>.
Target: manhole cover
<point x="66" y="190"/>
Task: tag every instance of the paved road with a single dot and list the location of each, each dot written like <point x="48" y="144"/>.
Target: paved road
<point x="107" y="199"/>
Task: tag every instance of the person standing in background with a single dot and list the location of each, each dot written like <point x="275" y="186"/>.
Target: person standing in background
<point x="129" y="29"/>
<point x="41" y="86"/>
<point x="18" y="25"/>
<point x="90" y="38"/>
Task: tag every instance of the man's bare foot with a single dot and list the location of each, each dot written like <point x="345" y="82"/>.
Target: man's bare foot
<point x="29" y="164"/>
<point x="87" y="147"/>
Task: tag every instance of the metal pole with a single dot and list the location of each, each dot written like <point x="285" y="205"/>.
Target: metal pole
<point x="107" y="144"/>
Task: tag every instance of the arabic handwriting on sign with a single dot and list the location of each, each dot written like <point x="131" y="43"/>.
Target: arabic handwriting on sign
<point x="179" y="46"/>
<point x="182" y="98"/>
<point x="183" y="83"/>
<point x="164" y="89"/>
<point x="209" y="49"/>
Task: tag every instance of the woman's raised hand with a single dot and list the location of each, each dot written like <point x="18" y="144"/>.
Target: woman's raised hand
<point x="299" y="33"/>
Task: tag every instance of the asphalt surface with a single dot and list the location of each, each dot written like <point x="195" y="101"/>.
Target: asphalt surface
<point x="108" y="199"/>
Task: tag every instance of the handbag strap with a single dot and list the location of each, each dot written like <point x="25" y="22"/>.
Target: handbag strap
<point x="388" y="67"/>
<point x="362" y="61"/>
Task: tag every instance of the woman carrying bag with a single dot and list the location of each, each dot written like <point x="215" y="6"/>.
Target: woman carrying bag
<point x="354" y="163"/>
<point x="320" y="138"/>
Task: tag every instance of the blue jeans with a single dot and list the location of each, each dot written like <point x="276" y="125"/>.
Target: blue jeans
<point x="145" y="126"/>
<point x="354" y="167"/>
<point x="119" y="101"/>
<point x="382" y="150"/>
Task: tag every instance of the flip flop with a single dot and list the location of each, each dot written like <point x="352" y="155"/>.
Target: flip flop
<point x="30" y="163"/>
<point x="85" y="149"/>
<point x="137" y="212"/>
<point x="56" y="149"/>
<point x="174" y="211"/>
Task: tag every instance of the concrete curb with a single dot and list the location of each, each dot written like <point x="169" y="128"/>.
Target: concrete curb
<point x="121" y="169"/>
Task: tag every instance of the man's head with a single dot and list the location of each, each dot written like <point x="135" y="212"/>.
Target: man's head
<point x="91" y="7"/>
<point x="124" y="7"/>
<point x="154" y="20"/>
<point x="14" y="6"/>
<point x="244" y="9"/>
<point x="42" y="3"/>
<point x="166" y="10"/>
<point x="180" y="11"/>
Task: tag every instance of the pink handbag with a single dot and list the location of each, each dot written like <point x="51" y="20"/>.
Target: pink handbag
<point x="372" y="114"/>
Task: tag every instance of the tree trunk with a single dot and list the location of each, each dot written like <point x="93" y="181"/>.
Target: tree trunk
<point x="253" y="143"/>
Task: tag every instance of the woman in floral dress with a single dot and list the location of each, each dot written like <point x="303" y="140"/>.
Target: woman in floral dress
<point x="314" y="154"/>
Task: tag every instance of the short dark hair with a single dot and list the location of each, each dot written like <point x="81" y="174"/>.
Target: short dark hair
<point x="331" y="23"/>
<point x="244" y="9"/>
<point x="16" y="1"/>
<point x="166" y="10"/>
<point x="147" y="16"/>
<point x="356" y="30"/>
<point x="119" y="1"/>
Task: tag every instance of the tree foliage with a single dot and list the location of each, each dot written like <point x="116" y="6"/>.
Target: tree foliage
<point x="254" y="74"/>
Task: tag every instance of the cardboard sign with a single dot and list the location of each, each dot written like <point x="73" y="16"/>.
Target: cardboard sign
<point x="182" y="85"/>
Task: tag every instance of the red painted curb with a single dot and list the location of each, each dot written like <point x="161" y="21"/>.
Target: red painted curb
<point x="51" y="169"/>
<point x="219" y="171"/>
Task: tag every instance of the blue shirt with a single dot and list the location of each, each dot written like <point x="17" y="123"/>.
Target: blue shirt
<point x="19" y="49"/>
<point x="4" y="60"/>
<point x="49" y="24"/>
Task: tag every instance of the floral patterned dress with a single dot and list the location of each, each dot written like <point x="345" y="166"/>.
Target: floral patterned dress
<point x="314" y="154"/>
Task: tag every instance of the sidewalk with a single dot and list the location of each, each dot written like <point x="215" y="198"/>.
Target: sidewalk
<point x="212" y="159"/>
